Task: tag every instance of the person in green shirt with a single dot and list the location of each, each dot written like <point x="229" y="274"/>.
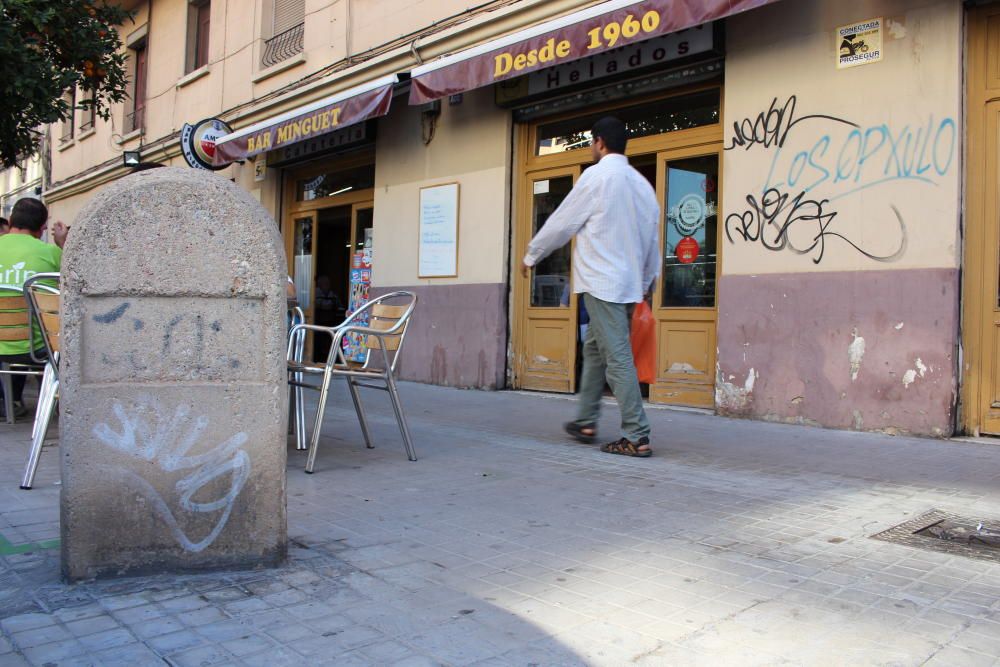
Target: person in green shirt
<point x="22" y="255"/>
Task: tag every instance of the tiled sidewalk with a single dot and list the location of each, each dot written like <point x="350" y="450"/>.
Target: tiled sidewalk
<point x="738" y="543"/>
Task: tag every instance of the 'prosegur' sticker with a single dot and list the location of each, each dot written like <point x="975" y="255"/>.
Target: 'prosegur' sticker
<point x="859" y="43"/>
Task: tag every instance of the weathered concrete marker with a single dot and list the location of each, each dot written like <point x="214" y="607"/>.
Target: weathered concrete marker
<point x="173" y="399"/>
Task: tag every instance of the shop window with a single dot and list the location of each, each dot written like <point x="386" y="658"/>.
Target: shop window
<point x="135" y="110"/>
<point x="335" y="183"/>
<point x="690" y="253"/>
<point x="287" y="31"/>
<point x="69" y="124"/>
<point x="672" y="114"/>
<point x="199" y="24"/>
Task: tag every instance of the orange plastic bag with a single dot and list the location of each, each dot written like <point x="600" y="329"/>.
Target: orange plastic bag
<point x="643" y="338"/>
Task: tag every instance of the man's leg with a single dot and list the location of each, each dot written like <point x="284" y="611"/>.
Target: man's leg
<point x="609" y="327"/>
<point x="591" y="384"/>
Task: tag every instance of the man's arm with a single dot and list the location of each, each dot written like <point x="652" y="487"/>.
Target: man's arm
<point x="59" y="233"/>
<point x="562" y="225"/>
<point x="652" y="265"/>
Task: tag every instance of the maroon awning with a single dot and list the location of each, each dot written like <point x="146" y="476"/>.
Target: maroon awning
<point x="326" y="115"/>
<point x="596" y="29"/>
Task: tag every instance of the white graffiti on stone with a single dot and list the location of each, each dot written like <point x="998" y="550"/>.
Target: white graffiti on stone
<point x="151" y="433"/>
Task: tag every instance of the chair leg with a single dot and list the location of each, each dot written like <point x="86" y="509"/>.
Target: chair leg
<point x="43" y="418"/>
<point x="300" y="416"/>
<point x="40" y="408"/>
<point x="397" y="407"/>
<point x="8" y="393"/>
<point x="291" y="409"/>
<point x="318" y="424"/>
<point x="356" y="397"/>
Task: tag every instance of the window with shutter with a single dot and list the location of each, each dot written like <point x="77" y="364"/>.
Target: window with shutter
<point x="287" y="31"/>
<point x="287" y="15"/>
<point x="199" y="28"/>
<point x="69" y="125"/>
<point x="135" y="117"/>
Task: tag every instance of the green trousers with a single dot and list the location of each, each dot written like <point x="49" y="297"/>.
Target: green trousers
<point x="607" y="355"/>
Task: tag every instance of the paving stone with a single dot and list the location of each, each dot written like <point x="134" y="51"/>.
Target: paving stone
<point x="202" y="656"/>
<point x="156" y="628"/>
<point x="24" y="622"/>
<point x="90" y="626"/>
<point x="248" y="645"/>
<point x="134" y="655"/>
<point x="38" y="636"/>
<point x="107" y="639"/>
<point x="176" y="642"/>
<point x="52" y="652"/>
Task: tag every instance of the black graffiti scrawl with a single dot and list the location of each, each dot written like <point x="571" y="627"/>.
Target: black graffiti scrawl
<point x="841" y="158"/>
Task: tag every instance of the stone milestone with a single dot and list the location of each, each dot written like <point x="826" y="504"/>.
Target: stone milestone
<point x="173" y="395"/>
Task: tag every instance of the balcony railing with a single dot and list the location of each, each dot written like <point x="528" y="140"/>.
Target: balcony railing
<point x="282" y="46"/>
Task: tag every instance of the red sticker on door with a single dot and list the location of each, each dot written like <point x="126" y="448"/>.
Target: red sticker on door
<point x="687" y="250"/>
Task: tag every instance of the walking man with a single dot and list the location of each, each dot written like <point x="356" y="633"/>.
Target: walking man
<point x="613" y="213"/>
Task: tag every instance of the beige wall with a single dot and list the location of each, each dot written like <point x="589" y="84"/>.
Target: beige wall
<point x="234" y="77"/>
<point x="910" y="100"/>
<point x="471" y="146"/>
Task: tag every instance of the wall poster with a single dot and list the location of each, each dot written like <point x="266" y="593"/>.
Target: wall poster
<point x="438" y="234"/>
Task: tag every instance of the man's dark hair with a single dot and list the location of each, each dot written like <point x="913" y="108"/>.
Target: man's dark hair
<point x="30" y="214"/>
<point x="613" y="132"/>
<point x="4" y="222"/>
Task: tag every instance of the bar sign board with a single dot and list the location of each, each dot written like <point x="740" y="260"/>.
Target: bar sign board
<point x="438" y="244"/>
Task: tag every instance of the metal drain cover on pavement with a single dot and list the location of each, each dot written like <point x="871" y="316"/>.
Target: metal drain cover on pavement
<point x="948" y="533"/>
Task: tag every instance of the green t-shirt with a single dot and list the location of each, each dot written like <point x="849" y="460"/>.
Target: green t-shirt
<point x="22" y="256"/>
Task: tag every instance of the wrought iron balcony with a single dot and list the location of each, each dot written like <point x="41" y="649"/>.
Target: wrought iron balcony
<point x="282" y="46"/>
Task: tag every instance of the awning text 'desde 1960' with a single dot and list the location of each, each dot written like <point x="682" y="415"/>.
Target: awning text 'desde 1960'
<point x="346" y="108"/>
<point x="600" y="28"/>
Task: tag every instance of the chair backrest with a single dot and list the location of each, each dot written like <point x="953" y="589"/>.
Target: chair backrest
<point x="14" y="318"/>
<point x="390" y="318"/>
<point x="43" y="300"/>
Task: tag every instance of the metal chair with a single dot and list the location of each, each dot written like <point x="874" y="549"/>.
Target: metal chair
<point x="385" y="331"/>
<point x="15" y="326"/>
<point x="43" y="306"/>
<point x="297" y="345"/>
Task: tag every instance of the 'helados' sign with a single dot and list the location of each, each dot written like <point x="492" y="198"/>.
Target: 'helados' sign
<point x="585" y="33"/>
<point x="326" y="115"/>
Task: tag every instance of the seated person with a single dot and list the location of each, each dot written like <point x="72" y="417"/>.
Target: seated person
<point x="22" y="255"/>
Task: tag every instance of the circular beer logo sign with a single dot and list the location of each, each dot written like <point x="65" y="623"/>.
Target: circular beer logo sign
<point x="690" y="214"/>
<point x="198" y="142"/>
<point x="687" y="250"/>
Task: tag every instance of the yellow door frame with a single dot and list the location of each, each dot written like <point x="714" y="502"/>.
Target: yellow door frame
<point x="980" y="413"/>
<point x="697" y="141"/>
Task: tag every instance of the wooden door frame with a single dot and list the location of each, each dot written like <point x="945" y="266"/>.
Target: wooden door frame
<point x="674" y="314"/>
<point x="701" y="140"/>
<point x="975" y="271"/>
<point x="291" y="208"/>
<point x="523" y="310"/>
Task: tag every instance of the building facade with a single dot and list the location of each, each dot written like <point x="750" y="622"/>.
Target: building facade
<point x="828" y="235"/>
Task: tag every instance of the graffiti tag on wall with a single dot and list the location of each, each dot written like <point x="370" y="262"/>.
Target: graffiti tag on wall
<point x="151" y="433"/>
<point x="838" y="158"/>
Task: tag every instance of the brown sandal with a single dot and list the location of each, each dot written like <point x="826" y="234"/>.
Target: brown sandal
<point x="626" y="447"/>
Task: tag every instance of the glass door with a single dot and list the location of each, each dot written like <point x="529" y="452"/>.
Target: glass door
<point x="303" y="260"/>
<point x="546" y="313"/>
<point x="362" y="224"/>
<point x="688" y="186"/>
